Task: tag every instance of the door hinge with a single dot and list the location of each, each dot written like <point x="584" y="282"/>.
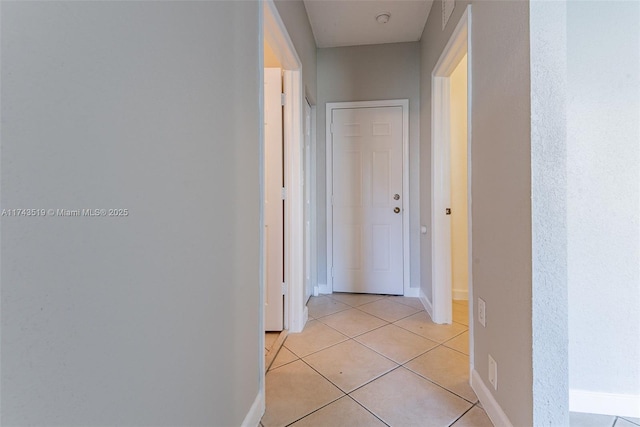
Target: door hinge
<point x="284" y="288"/>
<point x="284" y="193"/>
<point x="283" y="99"/>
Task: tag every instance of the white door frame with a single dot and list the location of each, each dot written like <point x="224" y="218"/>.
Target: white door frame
<point x="458" y="45"/>
<point x="275" y="33"/>
<point x="406" y="247"/>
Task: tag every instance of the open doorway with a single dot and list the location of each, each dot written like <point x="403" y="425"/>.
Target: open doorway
<point x="459" y="192"/>
<point x="451" y="180"/>
<point x="283" y="297"/>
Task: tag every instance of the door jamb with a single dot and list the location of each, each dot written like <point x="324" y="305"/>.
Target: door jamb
<point x="458" y="45"/>
<point x="275" y="32"/>
<point x="406" y="246"/>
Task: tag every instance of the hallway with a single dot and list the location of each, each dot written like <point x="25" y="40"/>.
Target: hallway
<point x="373" y="360"/>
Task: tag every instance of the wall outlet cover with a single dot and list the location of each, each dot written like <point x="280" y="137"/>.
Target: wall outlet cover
<point x="482" y="312"/>
<point x="493" y="373"/>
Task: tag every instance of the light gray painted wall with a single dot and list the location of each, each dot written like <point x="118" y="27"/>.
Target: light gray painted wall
<point x="294" y="16"/>
<point x="549" y="212"/>
<point x="501" y="189"/>
<point x="367" y="73"/>
<point x="149" y="106"/>
<point x="603" y="208"/>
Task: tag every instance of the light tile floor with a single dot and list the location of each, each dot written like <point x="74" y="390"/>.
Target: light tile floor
<point x="373" y="360"/>
<point x="579" y="419"/>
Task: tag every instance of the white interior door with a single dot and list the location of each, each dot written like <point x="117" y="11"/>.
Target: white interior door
<point x="273" y="201"/>
<point x="367" y="200"/>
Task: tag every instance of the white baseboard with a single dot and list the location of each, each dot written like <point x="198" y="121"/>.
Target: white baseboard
<point x="489" y="403"/>
<point x="460" y="295"/>
<point x="323" y="288"/>
<point x="593" y="402"/>
<point x="255" y="412"/>
<point x="412" y="292"/>
<point x="426" y="303"/>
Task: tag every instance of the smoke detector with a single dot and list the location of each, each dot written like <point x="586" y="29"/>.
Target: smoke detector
<point x="383" y="18"/>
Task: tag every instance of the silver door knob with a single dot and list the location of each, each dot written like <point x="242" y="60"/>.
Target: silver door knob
<point x="396" y="210"/>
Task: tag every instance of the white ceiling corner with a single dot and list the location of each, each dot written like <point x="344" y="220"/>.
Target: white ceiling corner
<point x="353" y="22"/>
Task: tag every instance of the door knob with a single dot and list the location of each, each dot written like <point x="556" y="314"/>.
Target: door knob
<point x="396" y="210"/>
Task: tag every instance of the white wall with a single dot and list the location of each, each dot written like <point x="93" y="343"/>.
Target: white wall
<point x="366" y="73"/>
<point x="459" y="204"/>
<point x="548" y="44"/>
<point x="603" y="187"/>
<point x="135" y="320"/>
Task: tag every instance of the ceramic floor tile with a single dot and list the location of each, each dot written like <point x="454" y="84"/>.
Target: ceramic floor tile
<point x="421" y="324"/>
<point x="355" y="300"/>
<point x="621" y="422"/>
<point x="461" y="314"/>
<point x="445" y="367"/>
<point x="315" y="336"/>
<point x="269" y="339"/>
<point x="581" y="419"/>
<point x="284" y="356"/>
<point x="476" y="417"/>
<point x="396" y="343"/>
<point x="411" y="302"/>
<point x="349" y="365"/>
<point x="293" y="391"/>
<point x="423" y="403"/>
<point x="344" y="412"/>
<point x="387" y="309"/>
<point x="460" y="343"/>
<point x="353" y="322"/>
<point x="323" y="306"/>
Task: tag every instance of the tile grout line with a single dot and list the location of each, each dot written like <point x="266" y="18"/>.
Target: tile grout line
<point x="463" y="414"/>
<point x="368" y="410"/>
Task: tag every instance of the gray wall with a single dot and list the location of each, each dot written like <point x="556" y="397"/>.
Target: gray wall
<point x="366" y="73"/>
<point x="501" y="189"/>
<point x="134" y="320"/>
<point x="603" y="152"/>
<point x="294" y="17"/>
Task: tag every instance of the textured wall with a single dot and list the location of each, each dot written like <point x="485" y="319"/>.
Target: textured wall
<point x="603" y="151"/>
<point x="136" y="320"/>
<point x="549" y="212"/>
<point x="366" y="73"/>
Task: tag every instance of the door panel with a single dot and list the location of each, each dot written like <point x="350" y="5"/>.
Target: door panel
<point x="273" y="204"/>
<point x="367" y="174"/>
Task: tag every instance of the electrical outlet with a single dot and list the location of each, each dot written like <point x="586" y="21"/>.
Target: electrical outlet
<point x="482" y="312"/>
<point x="493" y="373"/>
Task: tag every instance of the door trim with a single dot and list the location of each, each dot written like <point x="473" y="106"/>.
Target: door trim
<point x="406" y="247"/>
<point x="458" y="45"/>
<point x="274" y="31"/>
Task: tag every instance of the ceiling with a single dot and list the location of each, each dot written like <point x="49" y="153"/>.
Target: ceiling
<point x="353" y="22"/>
